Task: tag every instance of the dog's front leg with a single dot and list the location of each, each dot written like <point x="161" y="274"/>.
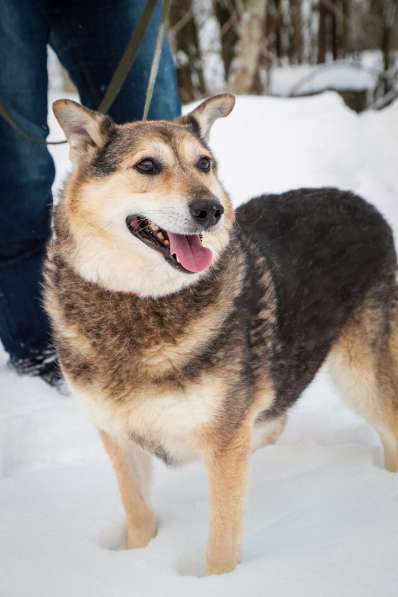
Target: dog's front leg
<point x="133" y="471"/>
<point x="228" y="468"/>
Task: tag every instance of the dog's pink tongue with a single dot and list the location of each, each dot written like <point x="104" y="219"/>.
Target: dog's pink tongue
<point x="190" y="252"/>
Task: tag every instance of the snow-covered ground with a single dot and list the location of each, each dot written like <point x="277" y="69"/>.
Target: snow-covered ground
<point x="359" y="72"/>
<point x="322" y="516"/>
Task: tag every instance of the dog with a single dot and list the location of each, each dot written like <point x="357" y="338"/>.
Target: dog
<point x="187" y="329"/>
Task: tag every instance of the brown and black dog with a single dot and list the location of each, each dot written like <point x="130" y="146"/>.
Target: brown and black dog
<point x="187" y="329"/>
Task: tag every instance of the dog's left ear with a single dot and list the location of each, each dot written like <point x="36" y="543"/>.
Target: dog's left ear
<point x="86" y="131"/>
<point x="203" y="117"/>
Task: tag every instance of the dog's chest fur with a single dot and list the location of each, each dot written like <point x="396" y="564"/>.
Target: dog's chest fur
<point x="164" y="372"/>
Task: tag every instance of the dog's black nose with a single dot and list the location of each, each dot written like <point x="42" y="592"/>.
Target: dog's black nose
<point x="206" y="212"/>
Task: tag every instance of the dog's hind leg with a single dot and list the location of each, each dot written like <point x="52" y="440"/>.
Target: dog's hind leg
<point x="364" y="366"/>
<point x="391" y="436"/>
<point x="133" y="471"/>
<point x="267" y="432"/>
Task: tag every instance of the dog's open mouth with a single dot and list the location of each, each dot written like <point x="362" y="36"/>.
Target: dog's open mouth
<point x="185" y="252"/>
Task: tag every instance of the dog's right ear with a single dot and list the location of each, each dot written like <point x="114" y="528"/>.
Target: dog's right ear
<point x="86" y="131"/>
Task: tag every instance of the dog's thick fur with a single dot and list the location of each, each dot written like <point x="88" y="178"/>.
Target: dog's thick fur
<point x="206" y="365"/>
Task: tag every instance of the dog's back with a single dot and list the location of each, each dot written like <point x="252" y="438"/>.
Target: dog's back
<point x="334" y="270"/>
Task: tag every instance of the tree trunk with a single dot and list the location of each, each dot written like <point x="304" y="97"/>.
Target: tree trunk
<point x="190" y="78"/>
<point x="333" y="30"/>
<point x="209" y="36"/>
<point x="322" y="34"/>
<point x="227" y="18"/>
<point x="247" y="52"/>
<point x="297" y="33"/>
<point x="388" y="21"/>
<point x="345" y="27"/>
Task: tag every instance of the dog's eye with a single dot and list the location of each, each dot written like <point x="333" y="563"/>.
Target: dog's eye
<point x="147" y="166"/>
<point x="204" y="164"/>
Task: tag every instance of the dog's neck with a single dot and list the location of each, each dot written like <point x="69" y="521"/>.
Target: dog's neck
<point x="204" y="290"/>
<point x="147" y="339"/>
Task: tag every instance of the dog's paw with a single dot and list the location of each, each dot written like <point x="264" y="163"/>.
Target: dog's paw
<point x="140" y="535"/>
<point x="220" y="566"/>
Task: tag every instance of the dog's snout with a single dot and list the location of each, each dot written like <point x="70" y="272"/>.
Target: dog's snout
<point x="206" y="212"/>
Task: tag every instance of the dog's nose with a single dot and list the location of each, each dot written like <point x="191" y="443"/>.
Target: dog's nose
<point x="206" y="212"/>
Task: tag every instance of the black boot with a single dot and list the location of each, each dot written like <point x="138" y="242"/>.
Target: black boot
<point x="41" y="363"/>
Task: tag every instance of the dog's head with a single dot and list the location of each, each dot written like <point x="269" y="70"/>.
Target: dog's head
<point x="144" y="209"/>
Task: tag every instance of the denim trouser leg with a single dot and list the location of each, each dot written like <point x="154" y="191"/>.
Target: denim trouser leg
<point x="26" y="176"/>
<point x="89" y="37"/>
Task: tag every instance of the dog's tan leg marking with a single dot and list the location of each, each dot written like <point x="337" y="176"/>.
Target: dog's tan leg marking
<point x="390" y="444"/>
<point x="368" y="377"/>
<point x="276" y="430"/>
<point x="228" y="468"/>
<point x="133" y="472"/>
<point x="390" y="439"/>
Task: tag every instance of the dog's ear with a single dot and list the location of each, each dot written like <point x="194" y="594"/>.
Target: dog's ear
<point x="203" y="117"/>
<point x="85" y="130"/>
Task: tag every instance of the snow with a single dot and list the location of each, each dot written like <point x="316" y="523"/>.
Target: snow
<point x="322" y="515"/>
<point x="304" y="78"/>
<point x="358" y="72"/>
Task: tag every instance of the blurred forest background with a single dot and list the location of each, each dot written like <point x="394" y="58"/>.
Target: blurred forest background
<point x="287" y="48"/>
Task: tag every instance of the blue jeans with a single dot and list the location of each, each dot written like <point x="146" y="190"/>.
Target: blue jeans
<point x="89" y="37"/>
